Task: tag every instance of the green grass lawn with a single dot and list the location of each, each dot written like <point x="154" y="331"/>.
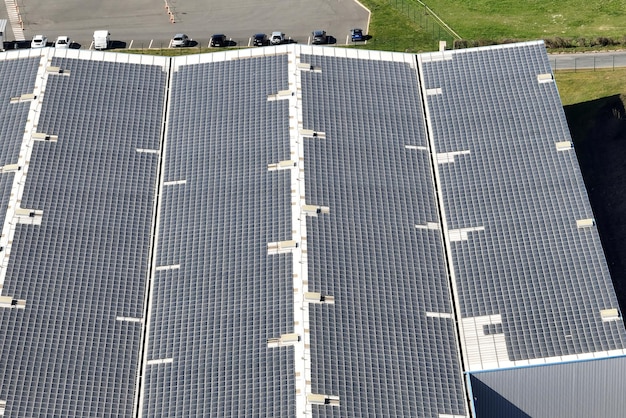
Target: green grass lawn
<point x="404" y="26"/>
<point x="532" y="19"/>
<point x="488" y="21"/>
<point x="392" y="30"/>
<point x="585" y="94"/>
<point x="585" y="86"/>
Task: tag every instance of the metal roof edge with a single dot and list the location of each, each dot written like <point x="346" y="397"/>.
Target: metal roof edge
<point x="557" y="363"/>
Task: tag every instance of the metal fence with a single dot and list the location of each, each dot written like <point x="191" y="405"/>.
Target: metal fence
<point x="589" y="61"/>
<point x="423" y="16"/>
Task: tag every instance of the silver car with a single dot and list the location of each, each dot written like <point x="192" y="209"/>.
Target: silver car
<point x="277" y="38"/>
<point x="180" y="39"/>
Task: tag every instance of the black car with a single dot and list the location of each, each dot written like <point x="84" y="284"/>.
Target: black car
<point x="260" y="39"/>
<point x="219" y="39"/>
<point x="319" y="37"/>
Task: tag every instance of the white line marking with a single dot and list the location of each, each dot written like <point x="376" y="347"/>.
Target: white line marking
<point x="160" y="361"/>
<point x="15" y="20"/>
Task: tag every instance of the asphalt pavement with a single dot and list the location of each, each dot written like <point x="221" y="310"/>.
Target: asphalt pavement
<point x="588" y="60"/>
<point x="152" y="23"/>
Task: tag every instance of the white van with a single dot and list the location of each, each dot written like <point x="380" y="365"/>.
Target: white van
<point x="101" y="39"/>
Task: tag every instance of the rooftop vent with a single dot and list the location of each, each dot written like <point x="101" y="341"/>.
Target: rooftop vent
<point x="609" y="314"/>
<point x="29" y="216"/>
<point x="314" y="297"/>
<point x="283" y="341"/>
<point x="564" y="146"/>
<point x="28" y="97"/>
<point x="10" y="302"/>
<point x="41" y="136"/>
<point x="585" y="223"/>
<point x="57" y="70"/>
<point x="282" y="165"/>
<point x="545" y="78"/>
<point x="310" y="133"/>
<point x="312" y="210"/>
<point x="281" y="247"/>
<point x="316" y="399"/>
<point x="309" y="67"/>
<point x="10" y="168"/>
<point x="281" y="95"/>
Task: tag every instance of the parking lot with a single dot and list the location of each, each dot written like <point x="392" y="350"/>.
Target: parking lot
<point x="152" y="23"/>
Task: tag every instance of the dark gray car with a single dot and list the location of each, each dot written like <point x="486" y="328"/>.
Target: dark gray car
<point x="319" y="37"/>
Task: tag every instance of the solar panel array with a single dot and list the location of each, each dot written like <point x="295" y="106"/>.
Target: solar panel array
<point x="375" y="348"/>
<point x="547" y="278"/>
<point x="18" y="77"/>
<point x="387" y="346"/>
<point x="87" y="263"/>
<point x="217" y="295"/>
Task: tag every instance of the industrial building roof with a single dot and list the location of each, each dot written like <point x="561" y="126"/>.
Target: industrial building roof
<point x="290" y="231"/>
<point x="532" y="283"/>
<point x="576" y="389"/>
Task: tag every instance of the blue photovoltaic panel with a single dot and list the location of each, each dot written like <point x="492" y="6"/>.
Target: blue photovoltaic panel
<point x="6" y="183"/>
<point x="212" y="315"/>
<point x="375" y="347"/>
<point x="87" y="263"/>
<point x="387" y="346"/>
<point x="547" y="278"/>
<point x="18" y="77"/>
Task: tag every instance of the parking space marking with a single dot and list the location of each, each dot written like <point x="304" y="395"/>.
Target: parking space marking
<point x="15" y="19"/>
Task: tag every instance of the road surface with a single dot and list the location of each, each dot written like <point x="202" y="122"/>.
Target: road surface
<point x="588" y="61"/>
<point x="141" y="23"/>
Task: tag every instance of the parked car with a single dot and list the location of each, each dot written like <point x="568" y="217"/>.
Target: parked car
<point x="319" y="37"/>
<point x="218" y="39"/>
<point x="180" y="39"/>
<point x="101" y="39"/>
<point x="277" y="38"/>
<point x="260" y="39"/>
<point x="62" y="42"/>
<point x="357" y="35"/>
<point x="39" y="41"/>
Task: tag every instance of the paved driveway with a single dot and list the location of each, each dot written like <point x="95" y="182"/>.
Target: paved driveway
<point x="145" y="21"/>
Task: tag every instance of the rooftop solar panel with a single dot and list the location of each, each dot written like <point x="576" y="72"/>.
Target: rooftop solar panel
<point x="319" y="243"/>
<point x="386" y="347"/>
<point x="218" y="296"/>
<point x="528" y="263"/>
<point x="74" y="351"/>
<point x="18" y="77"/>
<point x="6" y="183"/>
